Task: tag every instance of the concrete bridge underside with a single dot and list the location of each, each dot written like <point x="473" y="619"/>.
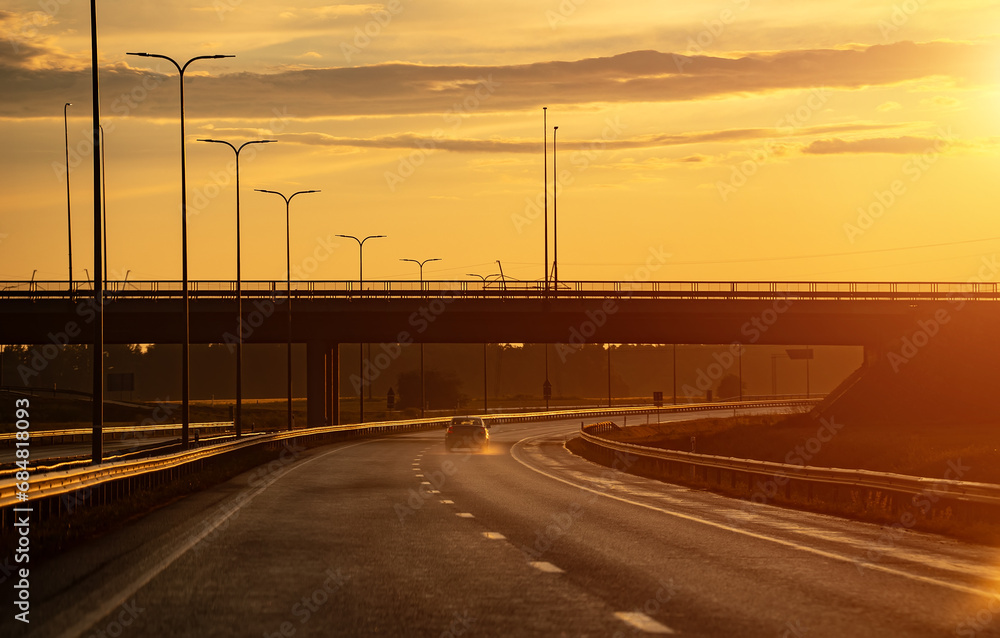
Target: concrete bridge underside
<point x="323" y="324"/>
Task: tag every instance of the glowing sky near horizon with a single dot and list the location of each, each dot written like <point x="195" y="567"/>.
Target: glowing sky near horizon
<point x="729" y="140"/>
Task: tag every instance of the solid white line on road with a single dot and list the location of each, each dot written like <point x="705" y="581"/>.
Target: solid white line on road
<point x="495" y="536"/>
<point x="642" y="622"/>
<point x="780" y="541"/>
<point x="545" y="566"/>
<point x="464" y="515"/>
<point x="86" y="621"/>
<point x="447" y="502"/>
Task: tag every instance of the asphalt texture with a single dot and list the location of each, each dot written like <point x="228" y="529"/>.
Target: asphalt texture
<point x="397" y="537"/>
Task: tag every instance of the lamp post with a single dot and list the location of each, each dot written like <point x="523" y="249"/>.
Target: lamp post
<point x="288" y="262"/>
<point x="238" y="416"/>
<point x="186" y="347"/>
<point x="486" y="404"/>
<point x="104" y="209"/>
<point x="97" y="370"/>
<point x="423" y="399"/>
<point x="361" y="349"/>
<point x="555" y="214"/>
<point x="545" y="186"/>
<point x="69" y="213"/>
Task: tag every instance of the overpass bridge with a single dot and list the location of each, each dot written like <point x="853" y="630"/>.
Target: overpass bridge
<point x="324" y="314"/>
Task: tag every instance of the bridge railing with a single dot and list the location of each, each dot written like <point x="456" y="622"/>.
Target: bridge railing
<point x="514" y="289"/>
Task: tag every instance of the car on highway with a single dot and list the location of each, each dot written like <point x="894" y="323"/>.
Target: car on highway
<point x="467" y="432"/>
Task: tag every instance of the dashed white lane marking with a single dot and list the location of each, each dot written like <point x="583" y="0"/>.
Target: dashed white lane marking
<point x="447" y="502"/>
<point x="434" y="491"/>
<point x="495" y="536"/>
<point x="545" y="566"/>
<point x="425" y="482"/>
<point x="464" y="515"/>
<point x="642" y="622"/>
<point x="419" y="476"/>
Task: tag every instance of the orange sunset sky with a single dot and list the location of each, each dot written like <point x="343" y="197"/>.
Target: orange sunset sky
<point x="722" y="140"/>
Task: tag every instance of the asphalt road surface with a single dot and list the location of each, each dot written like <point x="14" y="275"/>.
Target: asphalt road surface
<point x="396" y="537"/>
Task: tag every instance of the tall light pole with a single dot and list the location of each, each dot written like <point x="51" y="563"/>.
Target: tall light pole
<point x="186" y="347"/>
<point x="238" y="417"/>
<point x="423" y="396"/>
<point x="545" y="186"/>
<point x="486" y="404"/>
<point x="104" y="209"/>
<point x="361" y="346"/>
<point x="288" y="262"/>
<point x="69" y="213"/>
<point x="555" y="213"/>
<point x="97" y="375"/>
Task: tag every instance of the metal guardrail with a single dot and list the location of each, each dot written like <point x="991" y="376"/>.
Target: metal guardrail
<point x="898" y="291"/>
<point x="57" y="483"/>
<point x="985" y="493"/>
<point x="48" y="484"/>
<point x="121" y="432"/>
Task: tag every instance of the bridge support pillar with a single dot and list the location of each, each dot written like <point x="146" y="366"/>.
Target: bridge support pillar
<point x="317" y="382"/>
<point x="333" y="384"/>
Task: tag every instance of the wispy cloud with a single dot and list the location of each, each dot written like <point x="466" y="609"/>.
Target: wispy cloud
<point x="640" y="76"/>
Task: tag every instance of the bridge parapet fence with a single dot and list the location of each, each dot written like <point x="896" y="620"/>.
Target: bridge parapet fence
<point x="515" y="289"/>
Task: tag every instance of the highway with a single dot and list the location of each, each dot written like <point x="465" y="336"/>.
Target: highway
<point x="396" y="537"/>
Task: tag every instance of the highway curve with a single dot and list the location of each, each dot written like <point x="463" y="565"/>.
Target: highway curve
<point x="396" y="537"/>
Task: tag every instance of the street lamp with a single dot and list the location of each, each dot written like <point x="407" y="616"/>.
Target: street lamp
<point x="186" y="347"/>
<point x="423" y="400"/>
<point x="545" y="187"/>
<point x="238" y="417"/>
<point x="288" y="260"/>
<point x="421" y="265"/>
<point x="69" y="214"/>
<point x="486" y="405"/>
<point x="555" y="214"/>
<point x="361" y="347"/>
